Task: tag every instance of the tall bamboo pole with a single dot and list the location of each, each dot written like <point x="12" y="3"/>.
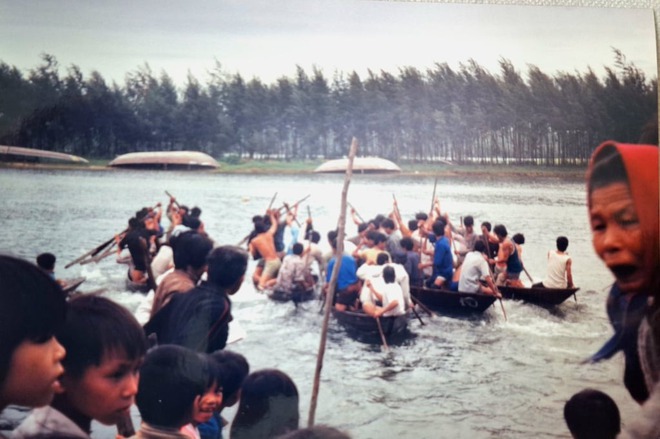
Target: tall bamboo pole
<point x="341" y="226"/>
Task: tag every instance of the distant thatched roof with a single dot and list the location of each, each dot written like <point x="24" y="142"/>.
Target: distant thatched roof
<point x="165" y="160"/>
<point x="11" y="153"/>
<point x="360" y="165"/>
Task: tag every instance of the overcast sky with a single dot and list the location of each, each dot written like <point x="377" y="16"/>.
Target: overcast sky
<point x="268" y="38"/>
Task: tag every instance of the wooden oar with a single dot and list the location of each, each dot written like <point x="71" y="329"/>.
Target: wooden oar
<point x="284" y="206"/>
<point x="173" y="198"/>
<point x="421" y="305"/>
<point x="417" y="315"/>
<point x="528" y="276"/>
<point x="356" y="212"/>
<point x="151" y="280"/>
<point x="492" y="277"/>
<point x="270" y="205"/>
<point x="382" y="336"/>
<point x="95" y="250"/>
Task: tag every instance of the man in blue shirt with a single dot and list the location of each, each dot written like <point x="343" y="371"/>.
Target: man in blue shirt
<point x="348" y="284"/>
<point x="443" y="263"/>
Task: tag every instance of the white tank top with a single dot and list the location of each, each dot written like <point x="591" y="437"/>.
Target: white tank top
<point x="556" y="276"/>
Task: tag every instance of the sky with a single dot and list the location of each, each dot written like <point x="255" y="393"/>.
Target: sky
<point x="268" y="38"/>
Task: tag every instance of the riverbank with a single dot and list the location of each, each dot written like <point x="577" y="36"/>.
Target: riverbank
<point x="489" y="172"/>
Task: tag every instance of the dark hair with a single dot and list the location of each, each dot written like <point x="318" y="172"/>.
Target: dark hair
<point x="439" y="228"/>
<point x="378" y="221"/>
<point x="382" y="258"/>
<point x="170" y="380"/>
<point x="412" y="225"/>
<point x="134" y="223"/>
<point x="372" y="235"/>
<point x="235" y="369"/>
<point x="607" y="168"/>
<point x="96" y="326"/>
<point x="362" y="227"/>
<point x="562" y="243"/>
<point x="379" y="237"/>
<point x="500" y="230"/>
<point x="421" y="216"/>
<point x="314" y="236"/>
<point x="261" y="227"/>
<point x="468" y="221"/>
<point x="32" y="307"/>
<point x="46" y="261"/>
<point x="191" y="221"/>
<point x="518" y="238"/>
<point x="196" y="212"/>
<point x="407" y="243"/>
<point x="316" y="432"/>
<point x="487" y="225"/>
<point x="389" y="275"/>
<point x="268" y="407"/>
<point x="297" y="248"/>
<point x="227" y="265"/>
<point x="388" y="223"/>
<point x="592" y="414"/>
<point x="479" y="246"/>
<point x="190" y="249"/>
<point x="332" y="234"/>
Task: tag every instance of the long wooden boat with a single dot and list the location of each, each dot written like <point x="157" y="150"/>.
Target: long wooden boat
<point x="165" y="160"/>
<point x="361" y="165"/>
<point x="363" y="327"/>
<point x="20" y="154"/>
<point x="539" y="296"/>
<point x="452" y="302"/>
<point x="295" y="296"/>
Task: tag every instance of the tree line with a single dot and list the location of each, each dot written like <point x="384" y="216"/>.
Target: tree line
<point x="464" y="115"/>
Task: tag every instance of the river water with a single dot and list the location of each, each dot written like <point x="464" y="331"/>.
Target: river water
<point x="455" y="378"/>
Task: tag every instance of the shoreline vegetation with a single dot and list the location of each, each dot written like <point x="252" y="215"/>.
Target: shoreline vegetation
<point x="301" y="167"/>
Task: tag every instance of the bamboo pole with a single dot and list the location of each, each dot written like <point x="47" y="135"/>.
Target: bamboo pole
<point x="333" y="282"/>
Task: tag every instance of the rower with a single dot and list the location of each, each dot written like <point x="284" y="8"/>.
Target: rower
<point x="559" y="274"/>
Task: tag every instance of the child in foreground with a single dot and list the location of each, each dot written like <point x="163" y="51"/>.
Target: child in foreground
<point x="105" y="347"/>
<point x="173" y="379"/>
<point x="32" y="309"/>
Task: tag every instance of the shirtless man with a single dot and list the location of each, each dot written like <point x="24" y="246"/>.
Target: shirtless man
<point x="264" y="244"/>
<point x="508" y="255"/>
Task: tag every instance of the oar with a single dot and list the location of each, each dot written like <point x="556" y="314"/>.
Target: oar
<point x="270" y="205"/>
<point x="494" y="280"/>
<point x="417" y="315"/>
<point x="382" y="336"/>
<point x="94" y="251"/>
<point x="356" y="212"/>
<point x="528" y="276"/>
<point x="272" y="200"/>
<point x="295" y="204"/>
<point x="173" y="198"/>
<point x="151" y="281"/>
<point x="421" y="305"/>
<point x="288" y="210"/>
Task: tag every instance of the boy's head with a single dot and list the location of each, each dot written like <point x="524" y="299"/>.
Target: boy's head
<point x="439" y="228"/>
<point x="105" y="347"/>
<point x="562" y="243"/>
<point x="389" y="274"/>
<point x="226" y="267"/>
<point x="235" y="369"/>
<point x="468" y="221"/>
<point x="191" y="249"/>
<point x="211" y="400"/>
<point x="172" y="378"/>
<point x="298" y="249"/>
<point x="500" y="231"/>
<point x="382" y="258"/>
<point x="388" y="225"/>
<point x="32" y="309"/>
<point x="46" y="261"/>
<point x="407" y="244"/>
<point x="592" y="414"/>
<point x="518" y="238"/>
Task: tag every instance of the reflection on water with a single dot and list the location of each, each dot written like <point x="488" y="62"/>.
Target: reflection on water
<point x="472" y="377"/>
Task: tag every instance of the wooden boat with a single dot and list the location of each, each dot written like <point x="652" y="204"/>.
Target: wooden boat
<point x="295" y="296"/>
<point x="165" y="160"/>
<point x="363" y="327"/>
<point x="20" y="154"/>
<point x="70" y="285"/>
<point x="361" y="165"/>
<point x="452" y="302"/>
<point x="539" y="296"/>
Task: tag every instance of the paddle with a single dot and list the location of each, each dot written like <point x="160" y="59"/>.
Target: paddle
<point x="417" y="315"/>
<point x="176" y="203"/>
<point x="270" y="205"/>
<point x="94" y="251"/>
<point x="490" y="271"/>
<point x="528" y="276"/>
<point x="356" y="212"/>
<point x="382" y="336"/>
<point x="421" y="305"/>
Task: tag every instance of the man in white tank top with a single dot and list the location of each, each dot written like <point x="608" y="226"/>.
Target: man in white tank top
<point x="559" y="273"/>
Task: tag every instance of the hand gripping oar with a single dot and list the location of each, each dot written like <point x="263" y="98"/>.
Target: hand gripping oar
<point x="382" y="336"/>
<point x="176" y="203"/>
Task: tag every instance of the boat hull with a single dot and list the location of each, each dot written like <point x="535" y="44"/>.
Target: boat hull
<point x="452" y="302"/>
<point x="363" y="327"/>
<point x="538" y="296"/>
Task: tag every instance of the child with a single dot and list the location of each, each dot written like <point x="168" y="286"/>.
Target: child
<point x="105" y="346"/>
<point x="234" y="369"/>
<point x="46" y="261"/>
<point x="205" y="407"/>
<point x="268" y="407"/>
<point x="592" y="414"/>
<point x="172" y="379"/>
<point x="32" y="309"/>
